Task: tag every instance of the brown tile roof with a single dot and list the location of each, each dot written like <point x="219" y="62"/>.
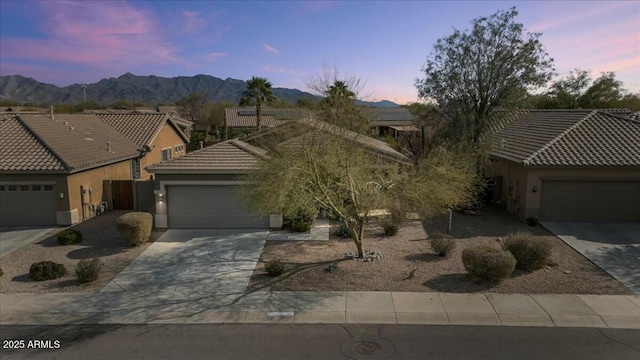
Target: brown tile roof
<point x="245" y="117"/>
<point x="389" y="116"/>
<point x="570" y="138"/>
<point x="78" y="141"/>
<point x="20" y="150"/>
<point x="141" y="128"/>
<point x="231" y="156"/>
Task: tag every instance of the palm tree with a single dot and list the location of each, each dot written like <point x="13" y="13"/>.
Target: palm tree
<point x="258" y="91"/>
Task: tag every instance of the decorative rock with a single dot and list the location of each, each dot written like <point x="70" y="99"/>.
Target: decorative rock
<point x="369" y="256"/>
<point x="567" y="272"/>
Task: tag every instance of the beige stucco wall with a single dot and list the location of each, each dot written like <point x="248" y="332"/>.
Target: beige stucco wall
<point x="524" y="181"/>
<point x="94" y="180"/>
<point x="167" y="137"/>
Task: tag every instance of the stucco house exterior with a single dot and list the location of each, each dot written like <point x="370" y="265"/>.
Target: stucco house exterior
<point x="55" y="169"/>
<point x="568" y="165"/>
<point x="199" y="189"/>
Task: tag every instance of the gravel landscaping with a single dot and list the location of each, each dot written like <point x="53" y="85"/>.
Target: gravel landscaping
<point x="101" y="239"/>
<point x="407" y="263"/>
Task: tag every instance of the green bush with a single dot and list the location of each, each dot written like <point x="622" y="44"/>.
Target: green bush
<point x="135" y="227"/>
<point x="443" y="246"/>
<point x="69" y="236"/>
<point x="1" y="272"/>
<point x="300" y="225"/>
<point x="46" y="270"/>
<point x="531" y="252"/>
<point x="343" y="232"/>
<point x="390" y="228"/>
<point x="488" y="262"/>
<point x="274" y="267"/>
<point x="88" y="270"/>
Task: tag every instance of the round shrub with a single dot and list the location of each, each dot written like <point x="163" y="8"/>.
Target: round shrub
<point x="531" y="252"/>
<point x="390" y="229"/>
<point x="46" y="270"/>
<point x="135" y="227"/>
<point x="300" y="225"/>
<point x="69" y="237"/>
<point x="87" y="270"/>
<point x="443" y="246"/>
<point x="274" y="267"/>
<point x="488" y="262"/>
<point x="1" y="272"/>
<point x="343" y="232"/>
<point x="439" y="235"/>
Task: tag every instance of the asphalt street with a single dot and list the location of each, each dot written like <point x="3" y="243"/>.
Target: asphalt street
<point x="335" y="341"/>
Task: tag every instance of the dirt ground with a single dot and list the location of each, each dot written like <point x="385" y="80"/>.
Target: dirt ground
<point x="100" y="239"/>
<point x="408" y="264"/>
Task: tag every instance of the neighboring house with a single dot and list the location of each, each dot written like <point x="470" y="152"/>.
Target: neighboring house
<point x="568" y="165"/>
<point x="199" y="190"/>
<point x="52" y="168"/>
<point x="157" y="133"/>
<point x="392" y="121"/>
<point x="239" y="118"/>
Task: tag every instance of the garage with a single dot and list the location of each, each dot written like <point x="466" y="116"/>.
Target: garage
<point x="209" y="206"/>
<point x="590" y="201"/>
<point x="27" y="205"/>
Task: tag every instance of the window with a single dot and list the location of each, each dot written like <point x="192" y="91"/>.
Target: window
<point x="48" y="188"/>
<point x="135" y="169"/>
<point x="36" y="188"/>
<point x="24" y="187"/>
<point x="166" y="154"/>
<point x="13" y="188"/>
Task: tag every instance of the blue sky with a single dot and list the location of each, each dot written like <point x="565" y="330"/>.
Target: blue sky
<point x="383" y="43"/>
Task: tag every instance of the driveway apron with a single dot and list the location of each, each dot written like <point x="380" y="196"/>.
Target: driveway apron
<point x="614" y="247"/>
<point x="188" y="264"/>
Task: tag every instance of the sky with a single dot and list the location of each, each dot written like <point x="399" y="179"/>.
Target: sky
<point x="384" y="43"/>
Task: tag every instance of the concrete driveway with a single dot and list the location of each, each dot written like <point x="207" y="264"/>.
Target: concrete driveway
<point x="194" y="263"/>
<point x="614" y="247"/>
<point x="14" y="237"/>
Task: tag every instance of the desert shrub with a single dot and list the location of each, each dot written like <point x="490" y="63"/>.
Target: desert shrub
<point x="87" y="270"/>
<point x="531" y="252"/>
<point x="299" y="225"/>
<point x="439" y="235"/>
<point x="274" y="267"/>
<point x="532" y="221"/>
<point x="46" y="270"/>
<point x="135" y="227"/>
<point x="443" y="246"/>
<point x="488" y="262"/>
<point x="390" y="228"/>
<point x="1" y="272"/>
<point x="69" y="236"/>
<point x="343" y="232"/>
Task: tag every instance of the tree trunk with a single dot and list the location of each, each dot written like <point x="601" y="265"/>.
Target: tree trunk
<point x="357" y="234"/>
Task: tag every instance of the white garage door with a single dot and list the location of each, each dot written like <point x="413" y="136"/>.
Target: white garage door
<point x="209" y="207"/>
<point x="603" y="201"/>
<point x="26" y="205"/>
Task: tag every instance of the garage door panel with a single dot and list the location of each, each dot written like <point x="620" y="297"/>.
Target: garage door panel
<point x="212" y="206"/>
<point x="605" y="201"/>
<point x="25" y="206"/>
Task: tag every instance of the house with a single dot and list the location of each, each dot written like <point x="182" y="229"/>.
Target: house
<point x="199" y="189"/>
<point x="568" y="165"/>
<point x="82" y="159"/>
<point x="240" y="118"/>
<point x="158" y="133"/>
<point x="52" y="168"/>
<point x="393" y="121"/>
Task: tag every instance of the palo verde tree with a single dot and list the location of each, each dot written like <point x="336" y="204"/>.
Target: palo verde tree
<point x="345" y="175"/>
<point x="472" y="73"/>
<point x="258" y="92"/>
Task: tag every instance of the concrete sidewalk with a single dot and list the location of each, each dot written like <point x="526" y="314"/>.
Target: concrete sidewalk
<point x="603" y="311"/>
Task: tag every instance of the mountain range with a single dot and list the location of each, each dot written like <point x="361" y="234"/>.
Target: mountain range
<point x="150" y="90"/>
